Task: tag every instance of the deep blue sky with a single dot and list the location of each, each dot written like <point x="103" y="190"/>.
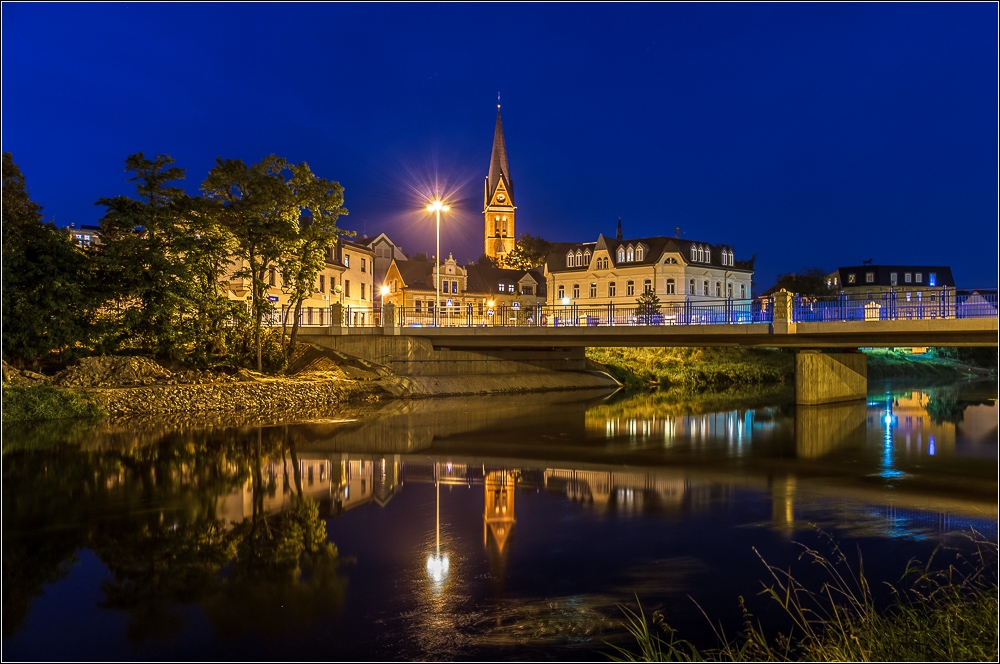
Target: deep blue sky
<point x="813" y="134"/>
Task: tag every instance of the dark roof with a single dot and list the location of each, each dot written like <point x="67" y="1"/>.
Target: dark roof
<point x="417" y="273"/>
<point x="498" y="162"/>
<point x="656" y="246"/>
<point x="883" y="276"/>
<point x="484" y="279"/>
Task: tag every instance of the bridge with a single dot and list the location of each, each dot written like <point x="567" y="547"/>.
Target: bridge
<point x="552" y="338"/>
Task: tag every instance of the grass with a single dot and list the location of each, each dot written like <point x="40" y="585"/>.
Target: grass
<point x="44" y="402"/>
<point x="696" y="368"/>
<point x="946" y="614"/>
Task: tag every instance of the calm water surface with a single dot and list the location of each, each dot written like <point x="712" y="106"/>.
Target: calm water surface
<point x="471" y="528"/>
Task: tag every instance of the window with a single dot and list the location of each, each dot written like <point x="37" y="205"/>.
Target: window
<point x="604" y="263"/>
<point x="430" y="306"/>
<point x="701" y="254"/>
<point x="639" y="253"/>
<point x="454" y="287"/>
<point x="893" y="278"/>
<point x="505" y="226"/>
<point x="496" y="229"/>
<point x="630" y="288"/>
<point x="629" y="254"/>
<point x="621" y="255"/>
<point x="579" y="258"/>
<point x="527" y="290"/>
<point x="570" y="260"/>
<point x="347" y="259"/>
<point x="743" y="291"/>
<point x="907" y="277"/>
<point x="647" y="286"/>
<point x="322" y="283"/>
<point x="562" y="292"/>
<point x="729" y="291"/>
<point x="694" y="253"/>
<point x="670" y="286"/>
<point x="576" y="291"/>
<point x="852" y="278"/>
<point x="691" y="287"/>
<point x="272" y="277"/>
<point x="416" y="306"/>
<point x="593" y="289"/>
<point x="869" y="277"/>
<point x="920" y="277"/>
<point x="502" y="288"/>
<point x="510" y="288"/>
<point x="718" y="289"/>
<point x="611" y="289"/>
<point x="708" y="254"/>
<point x="363" y="291"/>
<point x="704" y="287"/>
<point x="364" y="264"/>
<point x="586" y="257"/>
<point x="932" y="279"/>
<point x="347" y="288"/>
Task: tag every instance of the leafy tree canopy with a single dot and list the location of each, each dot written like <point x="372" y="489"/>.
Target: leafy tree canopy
<point x="529" y="252"/>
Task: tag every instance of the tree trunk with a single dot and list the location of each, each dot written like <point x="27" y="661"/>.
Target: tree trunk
<point x="295" y="328"/>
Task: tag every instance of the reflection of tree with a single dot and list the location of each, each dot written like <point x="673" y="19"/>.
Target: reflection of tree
<point x="946" y="409"/>
<point x="179" y="552"/>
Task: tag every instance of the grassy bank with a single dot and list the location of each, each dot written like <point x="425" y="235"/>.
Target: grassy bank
<point x="938" y="365"/>
<point x="945" y="615"/>
<point x="44" y="402"/>
<point x="696" y="368"/>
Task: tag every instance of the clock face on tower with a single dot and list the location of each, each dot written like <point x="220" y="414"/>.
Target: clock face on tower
<point x="501" y="198"/>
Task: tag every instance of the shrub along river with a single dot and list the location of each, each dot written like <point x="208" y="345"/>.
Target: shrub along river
<point x="501" y="527"/>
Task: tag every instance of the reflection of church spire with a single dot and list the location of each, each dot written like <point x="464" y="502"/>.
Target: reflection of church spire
<point x="498" y="520"/>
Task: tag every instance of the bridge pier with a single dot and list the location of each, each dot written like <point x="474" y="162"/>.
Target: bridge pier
<point x="830" y="377"/>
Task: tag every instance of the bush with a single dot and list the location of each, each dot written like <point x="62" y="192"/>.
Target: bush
<point x="696" y="368"/>
<point x="44" y="402"/>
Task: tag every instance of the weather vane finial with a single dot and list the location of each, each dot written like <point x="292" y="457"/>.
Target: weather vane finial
<point x="498" y="99"/>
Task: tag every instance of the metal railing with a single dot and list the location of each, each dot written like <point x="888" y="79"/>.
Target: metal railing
<point x="897" y="305"/>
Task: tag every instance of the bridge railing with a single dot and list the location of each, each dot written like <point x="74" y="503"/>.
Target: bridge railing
<point x="897" y="305"/>
<point x="575" y="315"/>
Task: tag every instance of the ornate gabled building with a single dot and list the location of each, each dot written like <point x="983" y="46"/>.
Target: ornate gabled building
<point x="619" y="271"/>
<point x="498" y="200"/>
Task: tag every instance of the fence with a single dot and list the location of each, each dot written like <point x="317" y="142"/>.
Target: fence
<point x="897" y="305"/>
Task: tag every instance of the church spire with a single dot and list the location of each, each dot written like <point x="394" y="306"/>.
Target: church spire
<point x="498" y="162"/>
<point x="618" y="235"/>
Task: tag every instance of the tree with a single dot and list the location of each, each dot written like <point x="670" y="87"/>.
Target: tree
<point x="160" y="260"/>
<point x="263" y="211"/>
<point x="648" y="308"/>
<point x="46" y="303"/>
<point x="807" y="281"/>
<point x="317" y="233"/>
<point x="529" y="252"/>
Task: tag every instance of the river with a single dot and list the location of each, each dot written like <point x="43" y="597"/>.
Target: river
<point x="474" y="528"/>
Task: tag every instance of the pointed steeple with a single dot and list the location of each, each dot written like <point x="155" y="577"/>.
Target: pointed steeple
<point x="498" y="162"/>
<point x="618" y="235"/>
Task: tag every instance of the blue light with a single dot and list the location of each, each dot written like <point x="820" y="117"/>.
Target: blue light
<point x="931" y="447"/>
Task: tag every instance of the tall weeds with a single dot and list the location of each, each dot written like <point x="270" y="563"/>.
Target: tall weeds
<point x="944" y="614"/>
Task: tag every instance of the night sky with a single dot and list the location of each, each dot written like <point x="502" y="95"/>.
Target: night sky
<point x="809" y="135"/>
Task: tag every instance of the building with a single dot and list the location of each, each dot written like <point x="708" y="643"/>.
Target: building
<point x="385" y="252"/>
<point x="466" y="291"/>
<point x="619" y="271"/>
<point x="883" y="278"/>
<point x="498" y="200"/>
<point x="84" y="236"/>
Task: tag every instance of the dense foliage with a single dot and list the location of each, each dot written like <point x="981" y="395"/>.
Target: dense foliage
<point x="157" y="282"/>
<point x="529" y="252"/>
<point x="698" y="368"/>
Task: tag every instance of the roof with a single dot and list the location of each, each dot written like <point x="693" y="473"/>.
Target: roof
<point x="485" y="279"/>
<point x="882" y="275"/>
<point x="655" y="247"/>
<point x="498" y="162"/>
<point x="417" y="273"/>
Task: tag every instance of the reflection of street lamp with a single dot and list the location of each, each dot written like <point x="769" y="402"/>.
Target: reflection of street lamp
<point x="437" y="565"/>
<point x="438" y="207"/>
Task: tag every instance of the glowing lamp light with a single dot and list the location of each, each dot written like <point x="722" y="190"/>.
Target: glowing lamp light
<point x="438" y="206"/>
<point x="888" y="419"/>
<point x="437" y="567"/>
<point x="565" y="301"/>
<point x="490" y="303"/>
<point x="384" y="290"/>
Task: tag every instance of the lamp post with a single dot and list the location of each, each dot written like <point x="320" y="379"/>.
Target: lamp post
<point x="438" y="207"/>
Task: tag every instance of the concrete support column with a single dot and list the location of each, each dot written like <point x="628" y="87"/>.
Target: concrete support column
<point x="830" y="377"/>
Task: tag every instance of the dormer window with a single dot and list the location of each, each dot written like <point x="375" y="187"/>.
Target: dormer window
<point x="701" y="254"/>
<point x="579" y="258"/>
<point x="708" y="254"/>
<point x="621" y="254"/>
<point x="639" y="253"/>
<point x="694" y="253"/>
<point x="570" y="260"/>
<point x="586" y="257"/>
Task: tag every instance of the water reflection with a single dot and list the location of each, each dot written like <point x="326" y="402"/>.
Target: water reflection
<point x="537" y="496"/>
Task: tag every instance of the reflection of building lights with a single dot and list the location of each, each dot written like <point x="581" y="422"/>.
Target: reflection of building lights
<point x="931" y="447"/>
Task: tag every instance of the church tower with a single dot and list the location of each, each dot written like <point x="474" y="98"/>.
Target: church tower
<point x="498" y="200"/>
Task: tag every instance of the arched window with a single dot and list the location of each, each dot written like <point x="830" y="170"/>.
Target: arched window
<point x="729" y="291"/>
<point x="621" y="254"/>
<point x="670" y="286"/>
<point x="611" y="289"/>
<point x="579" y="258"/>
<point x="505" y="225"/>
<point x="629" y="254"/>
<point x="586" y="257"/>
<point x="701" y="254"/>
<point x="647" y="286"/>
<point x="569" y="259"/>
<point x="708" y="254"/>
<point x="694" y="253"/>
<point x="691" y="287"/>
<point x="718" y="289"/>
<point x="639" y="253"/>
<point x="705" y="287"/>
<point x="743" y="291"/>
<point x="630" y="288"/>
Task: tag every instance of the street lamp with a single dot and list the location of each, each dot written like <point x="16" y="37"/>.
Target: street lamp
<point x="438" y="207"/>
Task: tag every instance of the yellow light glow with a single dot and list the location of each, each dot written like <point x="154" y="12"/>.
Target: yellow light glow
<point x="490" y="303"/>
<point x="384" y="290"/>
<point x="437" y="206"/>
